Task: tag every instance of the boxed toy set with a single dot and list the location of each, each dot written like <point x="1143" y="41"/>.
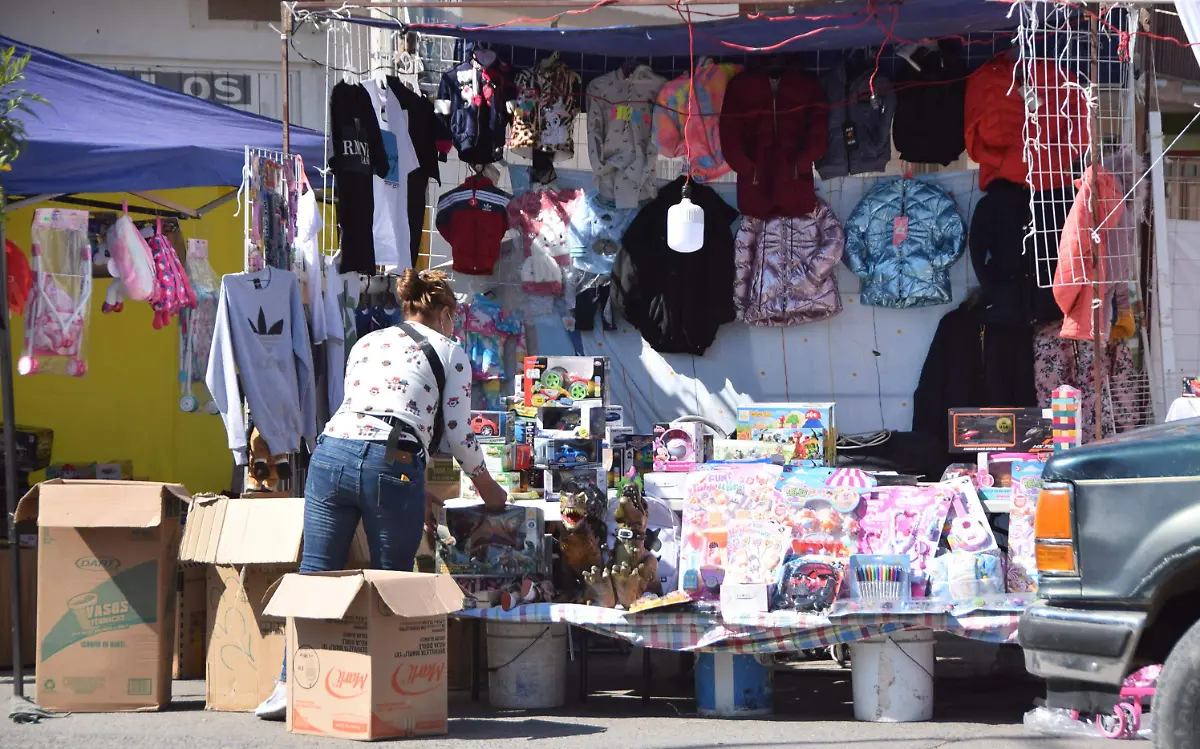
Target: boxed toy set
<point x="1016" y="430"/>
<point x="491" y="544"/>
<point x="806" y="430"/>
<point x="678" y="446"/>
<point x="565" y="380"/>
<point x="586" y="421"/>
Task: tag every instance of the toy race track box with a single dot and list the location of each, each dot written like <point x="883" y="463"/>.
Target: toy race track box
<point x="491" y="544"/>
<point x="565" y="380"/>
<point x="1015" y="430"/>
<point x="810" y="428"/>
<point x="585" y="421"/>
<point x="489" y="423"/>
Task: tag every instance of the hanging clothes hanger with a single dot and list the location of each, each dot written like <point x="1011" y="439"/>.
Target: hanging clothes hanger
<point x="629" y="65"/>
<point x="485" y="57"/>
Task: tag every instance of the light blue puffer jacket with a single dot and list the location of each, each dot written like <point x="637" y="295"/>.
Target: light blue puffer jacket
<point x="902" y="266"/>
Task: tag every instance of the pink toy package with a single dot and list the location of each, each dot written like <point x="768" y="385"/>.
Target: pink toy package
<point x="905" y="520"/>
<point x="822" y="519"/>
<point x="1022" y="557"/>
<point x="756" y="551"/>
<point x="969" y="528"/>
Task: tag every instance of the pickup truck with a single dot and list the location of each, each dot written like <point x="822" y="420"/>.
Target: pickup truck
<point x="1118" y="548"/>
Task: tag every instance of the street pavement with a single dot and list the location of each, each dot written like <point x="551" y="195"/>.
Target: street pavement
<point x="813" y="711"/>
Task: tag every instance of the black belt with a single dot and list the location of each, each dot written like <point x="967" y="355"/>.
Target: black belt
<point x="403" y="442"/>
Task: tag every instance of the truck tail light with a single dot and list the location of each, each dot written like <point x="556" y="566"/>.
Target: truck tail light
<point x="1054" y="531"/>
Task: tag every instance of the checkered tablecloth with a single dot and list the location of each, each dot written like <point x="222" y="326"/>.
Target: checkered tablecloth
<point x="776" y="632"/>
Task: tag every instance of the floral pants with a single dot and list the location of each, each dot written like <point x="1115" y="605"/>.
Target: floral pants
<point x="1060" y="361"/>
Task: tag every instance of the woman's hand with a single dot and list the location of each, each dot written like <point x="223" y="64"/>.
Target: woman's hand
<point x="493" y="495"/>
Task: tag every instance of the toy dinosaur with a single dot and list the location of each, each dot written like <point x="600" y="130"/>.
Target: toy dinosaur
<point x="634" y="569"/>
<point x="582" y="542"/>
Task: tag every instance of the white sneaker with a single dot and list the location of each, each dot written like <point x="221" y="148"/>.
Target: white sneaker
<point x="275" y="706"/>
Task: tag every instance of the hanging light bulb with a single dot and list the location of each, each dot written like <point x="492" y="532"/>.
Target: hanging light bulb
<point x="685" y="223"/>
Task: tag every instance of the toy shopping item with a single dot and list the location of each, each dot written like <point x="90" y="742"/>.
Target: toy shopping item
<point x="20" y="277"/>
<point x="196" y="326"/>
<point x="880" y="577"/>
<point x="964" y="575"/>
<point x="1000" y="430"/>
<point x="565" y="380"/>
<point x="969" y="527"/>
<point x="491" y="544"/>
<point x="822" y="518"/>
<point x="678" y="446"/>
<point x="808" y="428"/>
<point x="756" y="551"/>
<point x="633" y="566"/>
<point x="583" y="543"/>
<point x="905" y="520"/>
<point x="1022" y="555"/>
<point x="1064" y="413"/>
<point x="174" y="290"/>
<point x="132" y="262"/>
<point x="56" y="314"/>
<point x="809" y="584"/>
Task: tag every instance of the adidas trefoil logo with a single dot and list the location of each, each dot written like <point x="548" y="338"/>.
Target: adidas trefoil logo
<point x="261" y="329"/>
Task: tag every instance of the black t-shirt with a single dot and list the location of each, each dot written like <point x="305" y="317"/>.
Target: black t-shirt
<point x="358" y="155"/>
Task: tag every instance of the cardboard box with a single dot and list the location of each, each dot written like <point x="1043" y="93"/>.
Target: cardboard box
<point x="565" y="380"/>
<point x="442" y="469"/>
<point x="810" y="428"/>
<point x="252" y="542"/>
<point x="678" y="446"/>
<point x="72" y="471"/>
<point x="1012" y="430"/>
<point x="366" y="652"/>
<point x="585" y="421"/>
<point x="740" y="451"/>
<point x="489" y="544"/>
<point x="744" y="599"/>
<point x="191" y="622"/>
<point x="509" y="480"/>
<point x="488" y="423"/>
<point x="106" y="592"/>
<point x="115" y="470"/>
<point x="34" y="445"/>
<point x="28" y="607"/>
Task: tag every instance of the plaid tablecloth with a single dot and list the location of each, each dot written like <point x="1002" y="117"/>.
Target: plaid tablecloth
<point x="776" y="632"/>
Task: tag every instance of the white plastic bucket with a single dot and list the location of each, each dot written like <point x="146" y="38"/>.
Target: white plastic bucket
<point x="892" y="676"/>
<point x="527" y="665"/>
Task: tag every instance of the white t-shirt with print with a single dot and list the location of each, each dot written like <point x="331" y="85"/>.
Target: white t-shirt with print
<point x="390" y="225"/>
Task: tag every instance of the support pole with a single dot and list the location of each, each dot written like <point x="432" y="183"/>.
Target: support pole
<point x="1098" y="310"/>
<point x="10" y="466"/>
<point x="285" y="32"/>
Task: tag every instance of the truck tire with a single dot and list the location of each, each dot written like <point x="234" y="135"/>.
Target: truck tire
<point x="1176" y="704"/>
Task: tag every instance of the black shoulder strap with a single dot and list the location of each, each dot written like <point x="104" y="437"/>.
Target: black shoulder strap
<point x="439" y="375"/>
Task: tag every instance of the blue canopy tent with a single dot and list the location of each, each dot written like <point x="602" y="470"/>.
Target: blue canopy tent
<point x="102" y="131"/>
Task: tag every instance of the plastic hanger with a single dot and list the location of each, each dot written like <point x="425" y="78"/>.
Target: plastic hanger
<point x="631" y="64"/>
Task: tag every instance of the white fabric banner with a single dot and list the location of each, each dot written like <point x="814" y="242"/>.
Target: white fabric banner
<point x="1189" y="15"/>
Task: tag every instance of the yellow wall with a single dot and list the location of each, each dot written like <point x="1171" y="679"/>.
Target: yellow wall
<point x="127" y="406"/>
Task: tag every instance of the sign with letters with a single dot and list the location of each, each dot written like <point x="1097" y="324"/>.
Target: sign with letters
<point x="231" y="89"/>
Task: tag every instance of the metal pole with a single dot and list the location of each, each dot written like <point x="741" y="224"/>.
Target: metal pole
<point x="285" y="31"/>
<point x="10" y="465"/>
<point x="1098" y="310"/>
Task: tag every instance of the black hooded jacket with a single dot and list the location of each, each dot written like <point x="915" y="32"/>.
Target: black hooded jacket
<point x="931" y="92"/>
<point x="677" y="300"/>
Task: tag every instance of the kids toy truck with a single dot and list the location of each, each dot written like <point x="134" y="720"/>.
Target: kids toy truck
<point x="1117" y="540"/>
<point x="565" y="380"/>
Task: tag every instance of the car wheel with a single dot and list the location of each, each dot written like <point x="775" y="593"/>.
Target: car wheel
<point x="1177" y="699"/>
<point x="487" y="431"/>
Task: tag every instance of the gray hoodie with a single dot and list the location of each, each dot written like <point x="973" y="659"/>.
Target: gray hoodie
<point x="860" y="131"/>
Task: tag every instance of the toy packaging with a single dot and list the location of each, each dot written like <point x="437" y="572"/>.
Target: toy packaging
<point x="748" y="451"/>
<point x="487" y="544"/>
<point x="590" y="475"/>
<point x="756" y="550"/>
<point x="585" y="421"/>
<point x="1022" y="557"/>
<point x="565" y="380"/>
<point x="974" y="430"/>
<point x="678" y="446"/>
<point x="880" y="577"/>
<point x="714" y="497"/>
<point x="822" y="519"/>
<point x="969" y="529"/>
<point x="808" y="428"/>
<point x="995" y="472"/>
<point x="509" y="480"/>
<point x="559" y="453"/>
<point x="489" y="423"/>
<point x="963" y="575"/>
<point x="905" y="520"/>
<point x="56" y="313"/>
<point x="808" y="584"/>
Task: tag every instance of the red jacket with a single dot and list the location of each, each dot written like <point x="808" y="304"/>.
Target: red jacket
<point x="771" y="136"/>
<point x="473" y="218"/>
<point x="1075" y="272"/>
<point x="995" y="124"/>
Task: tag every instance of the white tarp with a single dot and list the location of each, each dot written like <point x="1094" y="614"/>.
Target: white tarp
<point x="1184" y="238"/>
<point x="1189" y="16"/>
<point x="826" y="361"/>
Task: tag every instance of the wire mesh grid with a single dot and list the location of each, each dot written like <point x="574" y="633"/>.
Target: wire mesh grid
<point x="1075" y="74"/>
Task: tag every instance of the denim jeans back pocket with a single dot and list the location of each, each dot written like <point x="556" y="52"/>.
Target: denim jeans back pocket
<point x="324" y="481"/>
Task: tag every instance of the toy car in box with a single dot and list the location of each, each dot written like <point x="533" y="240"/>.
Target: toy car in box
<point x="591" y="475"/>
<point x="809" y="429"/>
<point x="486" y="543"/>
<point x="488" y="423"/>
<point x="556" y="453"/>
<point x="565" y="380"/>
<point x="585" y="421"/>
<point x="1016" y="430"/>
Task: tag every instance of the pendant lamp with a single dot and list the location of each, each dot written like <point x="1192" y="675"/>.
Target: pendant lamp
<point x="685" y="223"/>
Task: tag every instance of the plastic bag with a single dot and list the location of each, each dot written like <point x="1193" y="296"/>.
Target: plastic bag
<point x="1055" y="721"/>
<point x="56" y="313"/>
<point x="133" y="258"/>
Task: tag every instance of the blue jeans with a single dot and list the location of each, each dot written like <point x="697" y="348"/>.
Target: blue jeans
<point x="349" y="481"/>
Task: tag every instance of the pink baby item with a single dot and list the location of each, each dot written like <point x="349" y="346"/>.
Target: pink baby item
<point x="969" y="527"/>
<point x="905" y="520"/>
<point x="174" y="290"/>
<point x="56" y="312"/>
<point x="133" y="259"/>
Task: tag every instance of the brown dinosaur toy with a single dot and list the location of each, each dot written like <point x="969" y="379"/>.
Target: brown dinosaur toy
<point x="582" y="544"/>
<point x="634" y="569"/>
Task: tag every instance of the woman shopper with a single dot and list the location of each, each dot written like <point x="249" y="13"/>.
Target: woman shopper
<point x="408" y="390"/>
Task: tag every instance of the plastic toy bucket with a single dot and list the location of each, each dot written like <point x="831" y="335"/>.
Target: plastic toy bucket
<point x="893" y="677"/>
<point x="527" y="665"/>
<point x="732" y="686"/>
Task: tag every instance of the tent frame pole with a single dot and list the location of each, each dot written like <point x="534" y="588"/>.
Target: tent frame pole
<point x="285" y="31"/>
<point x="10" y="466"/>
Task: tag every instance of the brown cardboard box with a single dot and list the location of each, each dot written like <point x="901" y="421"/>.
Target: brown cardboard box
<point x="252" y="542"/>
<point x="366" y="652"/>
<point x="28" y="607"/>
<point x="106" y="592"/>
<point x="191" y="617"/>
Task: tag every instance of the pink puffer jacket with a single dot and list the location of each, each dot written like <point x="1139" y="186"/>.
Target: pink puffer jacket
<point x="786" y="268"/>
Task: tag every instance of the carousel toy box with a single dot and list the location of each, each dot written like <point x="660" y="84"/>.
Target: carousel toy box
<point x="808" y="429"/>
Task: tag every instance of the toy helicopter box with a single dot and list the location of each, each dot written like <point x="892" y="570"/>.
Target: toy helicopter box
<point x="1016" y="430"/>
<point x="809" y="428"/>
<point x="565" y="380"/>
<point x="492" y="544"/>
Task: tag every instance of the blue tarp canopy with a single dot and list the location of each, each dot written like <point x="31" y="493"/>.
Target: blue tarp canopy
<point x="101" y="131"/>
<point x="825" y="26"/>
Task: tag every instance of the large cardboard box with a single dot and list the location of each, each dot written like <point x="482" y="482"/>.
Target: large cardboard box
<point x="28" y="606"/>
<point x="250" y="542"/>
<point x="106" y="592"/>
<point x="366" y="652"/>
<point x="191" y="621"/>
